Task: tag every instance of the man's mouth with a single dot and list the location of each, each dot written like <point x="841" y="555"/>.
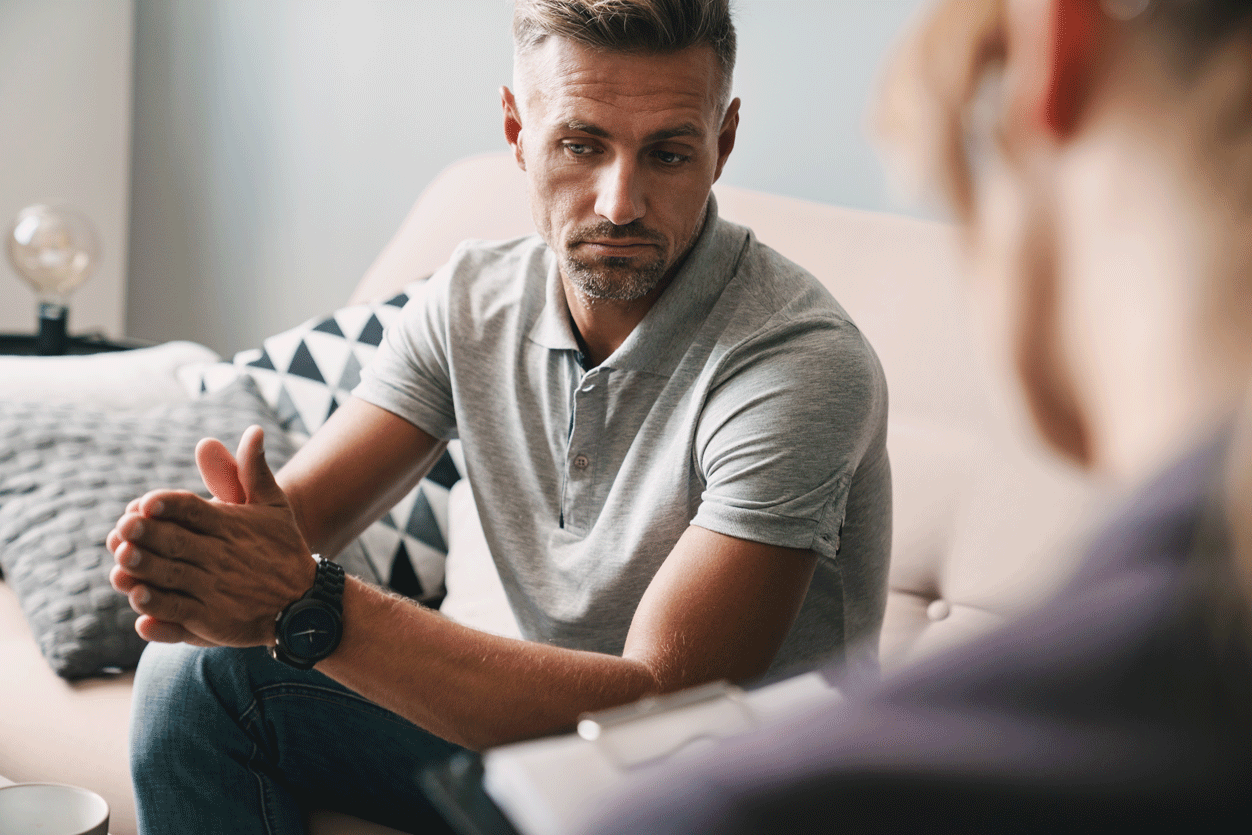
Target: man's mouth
<point x="616" y="247"/>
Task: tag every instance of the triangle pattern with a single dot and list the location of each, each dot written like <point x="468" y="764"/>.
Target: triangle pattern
<point x="329" y="326"/>
<point x="329" y="353"/>
<point x="427" y="564"/>
<point x="403" y="509"/>
<point x="437" y="498"/>
<point x="444" y="473"/>
<point x="403" y="579"/>
<point x="352" y="319"/>
<point x="282" y="347"/>
<point x="423" y="527"/>
<point x="288" y="414"/>
<point x="303" y="365"/>
<point x="263" y="361"/>
<point x="372" y="333"/>
<point x="380" y="544"/>
<point x="351" y="375"/>
<point x="312" y="400"/>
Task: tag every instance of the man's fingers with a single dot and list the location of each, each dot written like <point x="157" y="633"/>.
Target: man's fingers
<point x="163" y="632"/>
<point x="180" y="507"/>
<point x="122" y="580"/>
<point x="163" y="572"/>
<point x="161" y="551"/>
<point x="167" y="606"/>
<point x="219" y="471"/>
<point x="254" y="473"/>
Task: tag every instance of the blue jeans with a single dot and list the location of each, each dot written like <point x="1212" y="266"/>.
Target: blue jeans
<point x="226" y="740"/>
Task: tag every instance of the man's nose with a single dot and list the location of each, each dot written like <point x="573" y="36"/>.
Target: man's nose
<point x="620" y="197"/>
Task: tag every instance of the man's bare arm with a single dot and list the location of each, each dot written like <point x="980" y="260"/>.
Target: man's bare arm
<point x="718" y="608"/>
<point x="355" y="468"/>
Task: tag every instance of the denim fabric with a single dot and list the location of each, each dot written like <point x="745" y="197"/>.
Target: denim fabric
<point x="226" y="740"/>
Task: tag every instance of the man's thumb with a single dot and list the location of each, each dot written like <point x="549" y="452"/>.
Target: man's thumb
<point x="219" y="471"/>
<point x="258" y="482"/>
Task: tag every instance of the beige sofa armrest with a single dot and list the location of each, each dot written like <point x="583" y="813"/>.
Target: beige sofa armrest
<point x="443" y="216"/>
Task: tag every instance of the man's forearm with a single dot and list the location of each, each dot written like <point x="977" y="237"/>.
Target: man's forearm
<point x="352" y="471"/>
<point x="470" y="687"/>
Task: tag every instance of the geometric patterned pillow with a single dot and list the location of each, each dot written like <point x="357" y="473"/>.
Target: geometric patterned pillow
<point x="304" y="374"/>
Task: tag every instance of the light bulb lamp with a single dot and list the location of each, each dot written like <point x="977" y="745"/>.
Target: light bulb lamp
<point x="55" y="250"/>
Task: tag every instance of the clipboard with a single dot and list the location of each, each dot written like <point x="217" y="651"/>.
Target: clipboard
<point x="548" y="786"/>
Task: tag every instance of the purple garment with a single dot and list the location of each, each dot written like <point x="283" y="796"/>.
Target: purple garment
<point x="1125" y="700"/>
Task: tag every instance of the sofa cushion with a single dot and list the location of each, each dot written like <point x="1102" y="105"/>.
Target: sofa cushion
<point x="66" y="475"/>
<point x="304" y="373"/>
<point x="114" y="380"/>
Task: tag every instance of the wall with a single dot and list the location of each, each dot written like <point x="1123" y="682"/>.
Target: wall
<point x="65" y="117"/>
<point x="278" y="145"/>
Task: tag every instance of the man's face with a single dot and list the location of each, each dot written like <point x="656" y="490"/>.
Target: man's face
<point x="620" y="152"/>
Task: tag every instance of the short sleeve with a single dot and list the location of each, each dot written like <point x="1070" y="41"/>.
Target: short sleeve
<point x="410" y="376"/>
<point x="783" y="430"/>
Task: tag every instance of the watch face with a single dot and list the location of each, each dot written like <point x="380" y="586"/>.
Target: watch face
<point x="310" y="630"/>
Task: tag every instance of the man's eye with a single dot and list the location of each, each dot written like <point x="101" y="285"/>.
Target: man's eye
<point x="578" y="149"/>
<point x="671" y="158"/>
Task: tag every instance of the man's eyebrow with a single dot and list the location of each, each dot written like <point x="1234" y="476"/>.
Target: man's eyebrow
<point x="685" y="129"/>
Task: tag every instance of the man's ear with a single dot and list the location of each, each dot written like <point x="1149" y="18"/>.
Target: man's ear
<point x="1062" y="52"/>
<point x="726" y="138"/>
<point x="512" y="125"/>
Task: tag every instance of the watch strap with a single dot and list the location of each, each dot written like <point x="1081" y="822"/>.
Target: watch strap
<point x="328" y="583"/>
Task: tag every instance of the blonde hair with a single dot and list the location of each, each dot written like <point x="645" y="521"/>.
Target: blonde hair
<point x="648" y="26"/>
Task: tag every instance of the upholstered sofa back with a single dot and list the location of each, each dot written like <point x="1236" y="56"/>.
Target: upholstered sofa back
<point x="985" y="523"/>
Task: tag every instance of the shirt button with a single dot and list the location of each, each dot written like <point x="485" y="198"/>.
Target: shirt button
<point x="581" y="462"/>
<point x="938" y="610"/>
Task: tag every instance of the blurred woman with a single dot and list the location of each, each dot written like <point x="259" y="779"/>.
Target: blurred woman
<point x="1097" y="155"/>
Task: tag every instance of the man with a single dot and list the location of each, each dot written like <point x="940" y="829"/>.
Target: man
<point x="675" y="437"/>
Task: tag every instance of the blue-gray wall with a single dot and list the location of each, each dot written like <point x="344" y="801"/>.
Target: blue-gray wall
<point x="278" y="144"/>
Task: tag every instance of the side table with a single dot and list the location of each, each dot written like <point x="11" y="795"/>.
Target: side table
<point x="22" y="344"/>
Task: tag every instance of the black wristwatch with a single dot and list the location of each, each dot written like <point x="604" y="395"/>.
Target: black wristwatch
<point x="309" y="629"/>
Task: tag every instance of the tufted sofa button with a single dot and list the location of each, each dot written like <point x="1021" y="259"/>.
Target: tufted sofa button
<point x="938" y="609"/>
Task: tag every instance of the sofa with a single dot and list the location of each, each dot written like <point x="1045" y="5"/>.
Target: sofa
<point x="985" y="522"/>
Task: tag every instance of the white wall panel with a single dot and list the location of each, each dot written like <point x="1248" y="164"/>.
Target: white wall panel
<point x="65" y="116"/>
<point x="279" y="144"/>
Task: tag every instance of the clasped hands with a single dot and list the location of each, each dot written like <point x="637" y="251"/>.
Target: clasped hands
<point x="213" y="572"/>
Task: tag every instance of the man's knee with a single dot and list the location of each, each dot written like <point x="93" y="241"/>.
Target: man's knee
<point x="184" y="695"/>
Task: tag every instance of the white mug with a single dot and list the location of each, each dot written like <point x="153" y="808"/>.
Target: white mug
<point x="52" y="809"/>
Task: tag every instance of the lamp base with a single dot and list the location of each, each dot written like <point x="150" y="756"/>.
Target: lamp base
<point x="53" y="329"/>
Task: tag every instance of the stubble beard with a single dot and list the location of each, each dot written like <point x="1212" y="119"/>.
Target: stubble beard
<point x="614" y="279"/>
<point x="618" y="279"/>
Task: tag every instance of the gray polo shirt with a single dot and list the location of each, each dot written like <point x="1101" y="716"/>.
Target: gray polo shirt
<point x="746" y="402"/>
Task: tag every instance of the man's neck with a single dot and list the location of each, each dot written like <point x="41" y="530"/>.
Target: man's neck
<point x="602" y="325"/>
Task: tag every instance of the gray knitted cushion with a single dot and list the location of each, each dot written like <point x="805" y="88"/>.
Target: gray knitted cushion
<point x="66" y="475"/>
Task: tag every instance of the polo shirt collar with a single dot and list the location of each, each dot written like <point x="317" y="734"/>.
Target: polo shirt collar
<point x="661" y="339"/>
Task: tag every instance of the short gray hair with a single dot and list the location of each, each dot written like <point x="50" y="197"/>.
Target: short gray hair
<point x="647" y="26"/>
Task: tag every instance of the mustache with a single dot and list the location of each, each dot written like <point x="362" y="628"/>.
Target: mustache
<point x="607" y="231"/>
